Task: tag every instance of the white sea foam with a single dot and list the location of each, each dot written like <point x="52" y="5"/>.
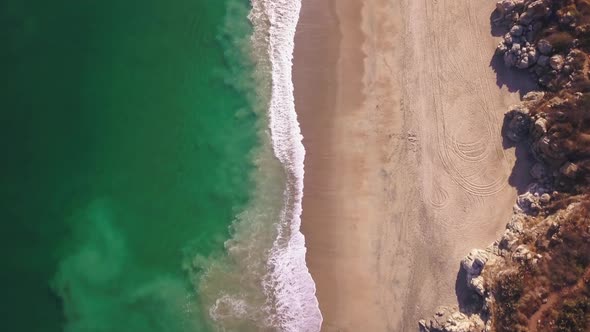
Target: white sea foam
<point x="263" y="284"/>
<point x="290" y="289"/>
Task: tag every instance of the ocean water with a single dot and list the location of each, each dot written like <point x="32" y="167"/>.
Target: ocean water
<point x="152" y="167"/>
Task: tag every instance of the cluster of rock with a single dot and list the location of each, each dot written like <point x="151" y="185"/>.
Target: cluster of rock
<point x="553" y="126"/>
<point x="448" y="319"/>
<point x="518" y="118"/>
<point x="522" y="46"/>
<point x="481" y="265"/>
<point x="523" y="12"/>
<point x="518" y="45"/>
<point x="546" y="135"/>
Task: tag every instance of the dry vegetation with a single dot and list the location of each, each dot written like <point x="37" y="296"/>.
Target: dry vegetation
<point x="554" y="289"/>
<point x="553" y="292"/>
<point x="537" y="276"/>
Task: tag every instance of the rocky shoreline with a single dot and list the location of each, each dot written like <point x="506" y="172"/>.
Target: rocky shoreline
<point x="536" y="277"/>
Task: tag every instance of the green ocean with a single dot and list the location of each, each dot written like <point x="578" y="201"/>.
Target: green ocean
<point x="126" y="146"/>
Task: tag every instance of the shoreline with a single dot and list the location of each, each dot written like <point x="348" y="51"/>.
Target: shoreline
<point x="405" y="168"/>
<point x="330" y="109"/>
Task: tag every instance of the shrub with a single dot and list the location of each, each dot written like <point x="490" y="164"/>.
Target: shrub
<point x="573" y="315"/>
<point x="561" y="40"/>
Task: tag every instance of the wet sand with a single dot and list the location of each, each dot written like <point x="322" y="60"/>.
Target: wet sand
<point x="401" y="113"/>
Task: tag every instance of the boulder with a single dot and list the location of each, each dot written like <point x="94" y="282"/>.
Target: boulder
<point x="540" y="127"/>
<point x="515" y="47"/>
<point x="447" y="319"/>
<point x="556" y="62"/>
<point x="534" y="11"/>
<point x="545" y="198"/>
<point x="569" y="169"/>
<point x="533" y="97"/>
<point x="518" y="123"/>
<point x="501" y="48"/>
<point x="508" y="39"/>
<point x="549" y="151"/>
<point x="510" y="59"/>
<point x="477" y="284"/>
<point x="517" y="30"/>
<point x="539" y="172"/>
<point x="508" y="240"/>
<point x="474" y="262"/>
<point x="544" y="47"/>
<point x="505" y="7"/>
<point x="543" y="61"/>
<point x="527" y="203"/>
<point x="516" y="223"/>
<point x="523" y="62"/>
<point x="522" y="253"/>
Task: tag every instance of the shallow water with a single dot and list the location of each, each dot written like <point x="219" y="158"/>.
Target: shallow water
<point x="126" y="148"/>
<point x="153" y="169"/>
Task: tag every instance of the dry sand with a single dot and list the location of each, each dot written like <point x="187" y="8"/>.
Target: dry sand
<point x="405" y="169"/>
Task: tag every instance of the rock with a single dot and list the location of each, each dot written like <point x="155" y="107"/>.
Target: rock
<point x="545" y="198"/>
<point x="510" y="59"/>
<point x="556" y="62"/>
<point x="501" y="48"/>
<point x="525" y="18"/>
<point x="539" y="172"/>
<point x="508" y="39"/>
<point x="517" y="51"/>
<point x="518" y="123"/>
<point x="543" y="61"/>
<point x="544" y="47"/>
<point x="516" y="224"/>
<point x="473" y="264"/>
<point x="477" y="284"/>
<point x="568" y="19"/>
<point x="523" y="62"/>
<point x="548" y="151"/>
<point x="533" y="55"/>
<point x="517" y="30"/>
<point x="540" y="127"/>
<point x="475" y="261"/>
<point x="537" y="189"/>
<point x="530" y="35"/>
<point x="508" y="240"/>
<point x="422" y="325"/>
<point x="535" y="11"/>
<point x="515" y="47"/>
<point x="450" y="319"/>
<point x="533" y="97"/>
<point x="522" y="253"/>
<point x="505" y="7"/>
<point x="527" y="203"/>
<point x="569" y="169"/>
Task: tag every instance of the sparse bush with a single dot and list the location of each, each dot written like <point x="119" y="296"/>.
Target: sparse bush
<point x="561" y="40"/>
<point x="508" y="291"/>
<point x="573" y="315"/>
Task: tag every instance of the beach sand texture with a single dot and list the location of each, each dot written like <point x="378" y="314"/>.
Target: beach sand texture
<point x="405" y="172"/>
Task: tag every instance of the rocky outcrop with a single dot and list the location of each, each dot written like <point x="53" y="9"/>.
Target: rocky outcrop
<point x="539" y="268"/>
<point x="518" y="119"/>
<point x="512" y="250"/>
<point x="547" y="47"/>
<point x="518" y="44"/>
<point x="553" y="126"/>
<point x="473" y="264"/>
<point x="447" y="319"/>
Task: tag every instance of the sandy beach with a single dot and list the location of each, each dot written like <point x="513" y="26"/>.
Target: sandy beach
<point x="401" y="112"/>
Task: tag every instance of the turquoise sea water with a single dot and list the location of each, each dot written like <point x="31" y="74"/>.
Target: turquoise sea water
<point x="126" y="146"/>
